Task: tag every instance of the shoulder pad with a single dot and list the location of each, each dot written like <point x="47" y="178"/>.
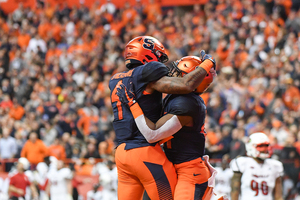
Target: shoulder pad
<point x="153" y="71"/>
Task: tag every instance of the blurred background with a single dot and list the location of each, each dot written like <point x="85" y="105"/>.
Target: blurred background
<point x="56" y="58"/>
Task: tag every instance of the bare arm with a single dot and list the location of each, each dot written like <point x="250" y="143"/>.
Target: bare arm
<point x="182" y="85"/>
<point x="235" y="185"/>
<point x="47" y="190"/>
<point x="278" y="189"/>
<point x="69" y="186"/>
<point x="34" y="191"/>
<point x="12" y="188"/>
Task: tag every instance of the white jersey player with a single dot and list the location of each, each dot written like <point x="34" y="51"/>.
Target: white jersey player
<point x="223" y="179"/>
<point x="108" y="179"/>
<point x="60" y="185"/>
<point x="256" y="177"/>
<point x="40" y="176"/>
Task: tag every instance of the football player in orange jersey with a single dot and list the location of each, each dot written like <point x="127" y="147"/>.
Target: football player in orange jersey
<point x="143" y="165"/>
<point x="186" y="144"/>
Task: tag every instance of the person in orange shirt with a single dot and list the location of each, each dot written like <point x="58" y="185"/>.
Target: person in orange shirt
<point x="57" y="150"/>
<point x="152" y="10"/>
<point x="85" y="122"/>
<point x="17" y="111"/>
<point x="52" y="52"/>
<point x="56" y="29"/>
<point x="291" y="93"/>
<point x="23" y="39"/>
<point x="34" y="149"/>
<point x="128" y="14"/>
<point x="49" y="10"/>
<point x="44" y="28"/>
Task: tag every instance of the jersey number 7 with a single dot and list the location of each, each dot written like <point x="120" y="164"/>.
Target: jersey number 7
<point x="115" y="98"/>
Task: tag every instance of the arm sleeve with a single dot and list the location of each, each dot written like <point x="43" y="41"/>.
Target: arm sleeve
<point x="279" y="169"/>
<point x="239" y="164"/>
<point x="154" y="71"/>
<point x="234" y="166"/>
<point x="169" y="128"/>
<point x="67" y="173"/>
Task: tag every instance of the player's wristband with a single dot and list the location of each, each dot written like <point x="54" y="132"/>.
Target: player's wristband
<point x="136" y="110"/>
<point x="206" y="65"/>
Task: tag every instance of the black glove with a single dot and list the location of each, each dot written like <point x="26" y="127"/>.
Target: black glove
<point x="204" y="56"/>
<point x="126" y="95"/>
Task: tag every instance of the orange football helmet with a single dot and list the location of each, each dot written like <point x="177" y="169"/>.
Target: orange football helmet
<point x="188" y="64"/>
<point x="144" y="49"/>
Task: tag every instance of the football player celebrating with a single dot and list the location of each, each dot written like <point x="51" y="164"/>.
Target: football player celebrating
<point x="256" y="176"/>
<point x="186" y="147"/>
<point x="142" y="165"/>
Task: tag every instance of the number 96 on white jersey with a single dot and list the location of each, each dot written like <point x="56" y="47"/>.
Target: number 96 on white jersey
<point x="258" y="179"/>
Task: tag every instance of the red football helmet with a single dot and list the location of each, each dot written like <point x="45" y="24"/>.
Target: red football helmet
<point x="188" y="64"/>
<point x="144" y="49"/>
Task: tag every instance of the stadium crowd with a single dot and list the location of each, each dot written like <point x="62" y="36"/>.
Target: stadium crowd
<point x="56" y="61"/>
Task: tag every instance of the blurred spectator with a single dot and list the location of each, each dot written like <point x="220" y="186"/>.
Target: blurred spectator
<point x="35" y="43"/>
<point x="279" y="131"/>
<point x="49" y="132"/>
<point x="57" y="150"/>
<point x="289" y="152"/>
<point x="8" y="148"/>
<point x="237" y="145"/>
<point x="109" y="7"/>
<point x="34" y="150"/>
<point x="17" y="111"/>
<point x="223" y="178"/>
<point x="66" y="144"/>
<point x="91" y="151"/>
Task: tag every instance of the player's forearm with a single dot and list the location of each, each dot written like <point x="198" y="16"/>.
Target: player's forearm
<point x="149" y="130"/>
<point x="234" y="195"/>
<point x="194" y="78"/>
<point x="70" y="187"/>
<point x="34" y="191"/>
<point x="278" y="189"/>
<point x="235" y="186"/>
<point x="185" y="85"/>
<point x="12" y="188"/>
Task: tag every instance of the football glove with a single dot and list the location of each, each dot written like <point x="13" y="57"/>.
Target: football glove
<point x="126" y="95"/>
<point x="205" y="56"/>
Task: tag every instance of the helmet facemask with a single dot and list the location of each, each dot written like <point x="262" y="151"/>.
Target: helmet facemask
<point x="258" y="146"/>
<point x="174" y="71"/>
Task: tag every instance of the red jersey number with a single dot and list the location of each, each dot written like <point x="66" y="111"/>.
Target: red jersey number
<point x="263" y="187"/>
